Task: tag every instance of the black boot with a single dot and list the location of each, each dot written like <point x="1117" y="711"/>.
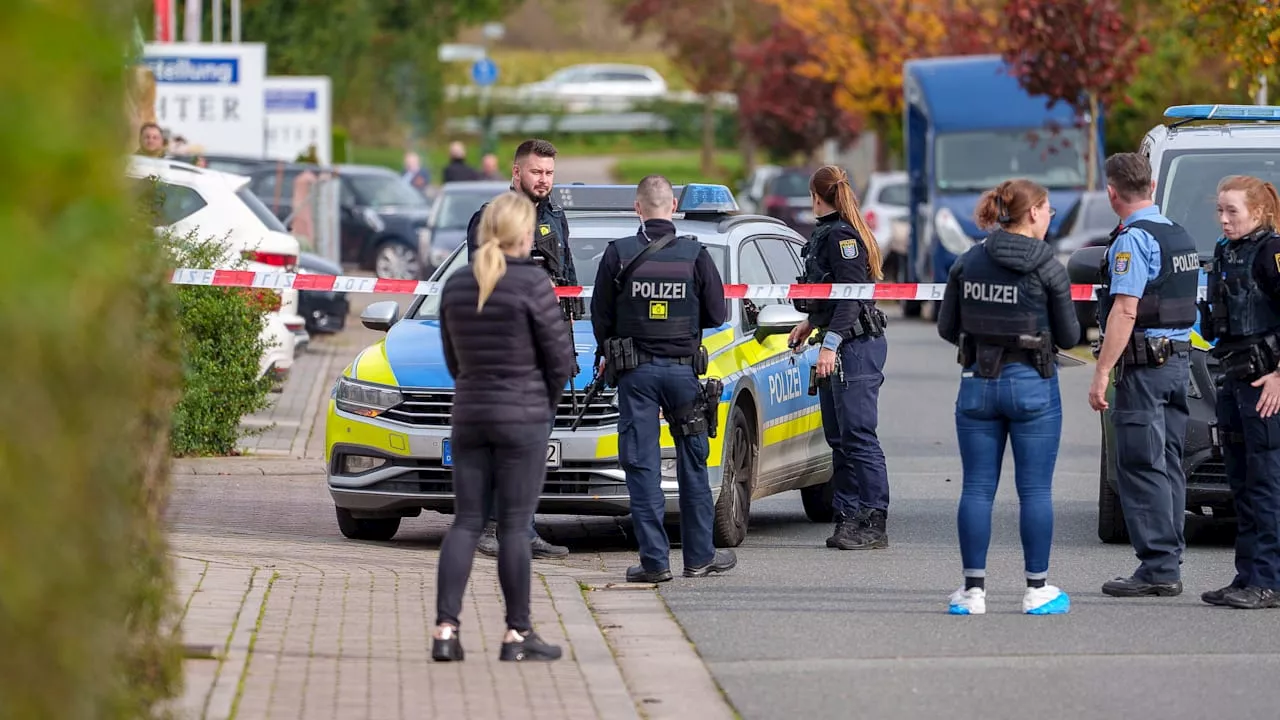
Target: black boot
<point x="448" y="649"/>
<point x="871" y="534"/>
<point x="846" y="526"/>
<point x="531" y="647"/>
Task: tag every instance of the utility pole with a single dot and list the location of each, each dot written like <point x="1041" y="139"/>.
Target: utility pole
<point x="235" y="21"/>
<point x="217" y="21"/>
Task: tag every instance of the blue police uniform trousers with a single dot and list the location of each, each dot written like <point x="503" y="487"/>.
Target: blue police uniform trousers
<point x="1150" y="419"/>
<point x="859" y="478"/>
<point x="664" y="383"/>
<point x="1251" y="446"/>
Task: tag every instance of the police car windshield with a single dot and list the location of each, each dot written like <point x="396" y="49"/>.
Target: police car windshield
<point x="586" y="258"/>
<point x="1187" y="189"/>
<point x="978" y="161"/>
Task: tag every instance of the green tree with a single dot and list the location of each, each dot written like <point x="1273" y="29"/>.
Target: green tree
<point x="89" y="376"/>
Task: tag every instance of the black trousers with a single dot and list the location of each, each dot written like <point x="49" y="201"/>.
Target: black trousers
<point x="508" y="464"/>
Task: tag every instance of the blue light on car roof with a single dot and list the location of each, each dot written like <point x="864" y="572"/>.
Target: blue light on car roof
<point x="704" y="198"/>
<point x="1223" y="112"/>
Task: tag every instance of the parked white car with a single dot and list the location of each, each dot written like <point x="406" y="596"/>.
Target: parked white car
<point x="219" y="205"/>
<point x="884" y="205"/>
<point x="597" y="86"/>
<point x="281" y="346"/>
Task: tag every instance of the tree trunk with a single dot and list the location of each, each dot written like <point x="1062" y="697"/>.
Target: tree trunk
<point x="748" y="152"/>
<point x="708" y="135"/>
<point x="1092" y="164"/>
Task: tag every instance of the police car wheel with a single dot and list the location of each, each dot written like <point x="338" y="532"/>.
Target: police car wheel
<point x="733" y="507"/>
<point x="1111" y="527"/>
<point x="817" y="502"/>
<point x="366" y="528"/>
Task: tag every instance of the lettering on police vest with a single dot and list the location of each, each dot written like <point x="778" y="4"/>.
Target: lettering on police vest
<point x="658" y="290"/>
<point x="986" y="292"/>
<point x="1186" y="262"/>
<point x="786" y="386"/>
<point x="657" y="309"/>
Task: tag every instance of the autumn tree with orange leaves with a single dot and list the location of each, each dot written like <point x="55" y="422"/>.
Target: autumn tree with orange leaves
<point x="1247" y="30"/>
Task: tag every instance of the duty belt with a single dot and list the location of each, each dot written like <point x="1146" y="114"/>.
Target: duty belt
<point x="1253" y="361"/>
<point x="870" y="322"/>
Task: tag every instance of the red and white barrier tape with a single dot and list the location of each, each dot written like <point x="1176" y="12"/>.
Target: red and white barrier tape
<point x="354" y="284"/>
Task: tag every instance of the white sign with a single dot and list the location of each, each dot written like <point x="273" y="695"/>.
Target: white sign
<point x="450" y="52"/>
<point x="211" y="94"/>
<point x="298" y="115"/>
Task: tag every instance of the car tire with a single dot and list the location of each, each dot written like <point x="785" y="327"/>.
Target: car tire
<point x="912" y="308"/>
<point x="817" y="502"/>
<point x="1111" y="527"/>
<point x="733" y="507"/>
<point x="366" y="528"/>
<point x="397" y="261"/>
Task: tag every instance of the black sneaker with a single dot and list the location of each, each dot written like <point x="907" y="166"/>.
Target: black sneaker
<point x="870" y="533"/>
<point x="543" y="549"/>
<point x="1219" y="596"/>
<point x="489" y="540"/>
<point x="845" y="526"/>
<point x="637" y="574"/>
<point x="531" y="647"/>
<point x="1252" y="598"/>
<point x="447" y="649"/>
<point x="723" y="561"/>
<point x="1134" y="587"/>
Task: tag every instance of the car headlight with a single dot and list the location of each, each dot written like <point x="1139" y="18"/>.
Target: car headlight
<point x="950" y="234"/>
<point x="364" y="398"/>
<point x="373" y="219"/>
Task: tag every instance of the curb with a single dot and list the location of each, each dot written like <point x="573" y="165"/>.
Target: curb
<point x="246" y="465"/>
<point x="591" y="651"/>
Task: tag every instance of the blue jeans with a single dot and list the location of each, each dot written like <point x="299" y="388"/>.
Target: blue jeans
<point x="663" y="383"/>
<point x="859" y="479"/>
<point x="1026" y="408"/>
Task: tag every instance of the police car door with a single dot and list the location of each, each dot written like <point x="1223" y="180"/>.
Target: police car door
<point x="781" y="377"/>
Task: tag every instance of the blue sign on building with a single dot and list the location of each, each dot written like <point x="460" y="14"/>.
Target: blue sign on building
<point x="484" y="72"/>
<point x="280" y="100"/>
<point x="200" y="71"/>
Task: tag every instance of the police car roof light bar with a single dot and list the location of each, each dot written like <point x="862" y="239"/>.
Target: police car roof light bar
<point x="699" y="198"/>
<point x="597" y="198"/>
<point x="1190" y="113"/>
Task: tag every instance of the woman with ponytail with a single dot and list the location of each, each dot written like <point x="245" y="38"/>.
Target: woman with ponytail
<point x="508" y="349"/>
<point x="851" y="362"/>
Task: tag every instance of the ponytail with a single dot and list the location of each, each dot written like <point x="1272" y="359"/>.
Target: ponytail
<point x="831" y="183"/>
<point x="1007" y="204"/>
<point x="505" y="223"/>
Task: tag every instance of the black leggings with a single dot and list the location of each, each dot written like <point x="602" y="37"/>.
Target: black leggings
<point x="509" y="462"/>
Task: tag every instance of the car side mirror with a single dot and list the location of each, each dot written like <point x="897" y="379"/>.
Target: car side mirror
<point x="777" y="319"/>
<point x="381" y="316"/>
<point x="1085" y="265"/>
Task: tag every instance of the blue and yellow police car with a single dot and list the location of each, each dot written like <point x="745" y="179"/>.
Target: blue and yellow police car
<point x="387" y="436"/>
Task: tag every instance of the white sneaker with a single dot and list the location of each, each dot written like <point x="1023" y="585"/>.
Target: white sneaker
<point x="968" y="602"/>
<point x="1047" y="600"/>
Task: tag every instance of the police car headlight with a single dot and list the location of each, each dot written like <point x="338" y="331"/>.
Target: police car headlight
<point x="373" y="220"/>
<point x="950" y="234"/>
<point x="365" y="399"/>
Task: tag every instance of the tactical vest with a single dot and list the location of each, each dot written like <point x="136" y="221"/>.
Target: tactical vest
<point x="548" y="242"/>
<point x="660" y="301"/>
<point x="1169" y="300"/>
<point x="999" y="305"/>
<point x="1249" y="312"/>
<point x="817" y="270"/>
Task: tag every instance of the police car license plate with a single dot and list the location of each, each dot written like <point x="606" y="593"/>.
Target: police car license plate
<point x="553" y="454"/>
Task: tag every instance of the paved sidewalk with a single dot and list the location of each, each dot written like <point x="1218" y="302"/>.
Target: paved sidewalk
<point x="287" y="425"/>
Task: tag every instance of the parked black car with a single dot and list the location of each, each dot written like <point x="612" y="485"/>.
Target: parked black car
<point x="324" y="311"/>
<point x="452" y="211"/>
<point x="786" y="197"/>
<point x="383" y="219"/>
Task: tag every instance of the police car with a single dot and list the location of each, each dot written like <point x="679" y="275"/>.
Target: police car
<point x="387" y="437"/>
<point x="1189" y="155"/>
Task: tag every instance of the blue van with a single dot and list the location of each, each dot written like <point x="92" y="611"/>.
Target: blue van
<point x="968" y="126"/>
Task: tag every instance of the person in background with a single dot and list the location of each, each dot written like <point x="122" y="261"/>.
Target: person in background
<point x="1242" y="314"/>
<point x="1007" y="304"/>
<point x="414" y="173"/>
<point x="458" y="170"/>
<point x="489" y="167"/>
<point x="508" y="349"/>
<point x="151" y="141"/>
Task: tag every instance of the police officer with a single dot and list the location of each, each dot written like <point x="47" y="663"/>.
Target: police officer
<point x="1243" y="316"/>
<point x="1146" y="309"/>
<point x="533" y="173"/>
<point x="667" y="291"/>
<point x="841" y="249"/>
<point x="1008" y="307"/>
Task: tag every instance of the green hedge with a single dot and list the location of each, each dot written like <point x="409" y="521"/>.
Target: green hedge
<point x="89" y="376"/>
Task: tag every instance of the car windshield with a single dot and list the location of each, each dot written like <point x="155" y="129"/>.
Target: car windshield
<point x="894" y="195"/>
<point x="586" y="258"/>
<point x="1098" y="215"/>
<point x="978" y="161"/>
<point x="1187" y="190"/>
<point x="457" y="207"/>
<point x="266" y="216"/>
<point x="385" y="191"/>
<point x="790" y="184"/>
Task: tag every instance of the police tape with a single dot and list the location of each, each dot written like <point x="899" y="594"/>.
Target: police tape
<point x="359" y="284"/>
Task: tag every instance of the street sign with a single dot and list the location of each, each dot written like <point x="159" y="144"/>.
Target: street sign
<point x="484" y="72"/>
<point x="453" y="52"/>
<point x="494" y="31"/>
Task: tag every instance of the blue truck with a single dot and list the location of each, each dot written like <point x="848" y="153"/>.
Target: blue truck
<point x="968" y="126"/>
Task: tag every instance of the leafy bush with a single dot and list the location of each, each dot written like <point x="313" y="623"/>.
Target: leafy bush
<point x="89" y="377"/>
<point x="222" y="346"/>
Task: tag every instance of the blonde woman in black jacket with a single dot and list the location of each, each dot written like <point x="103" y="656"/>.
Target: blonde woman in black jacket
<point x="507" y="347"/>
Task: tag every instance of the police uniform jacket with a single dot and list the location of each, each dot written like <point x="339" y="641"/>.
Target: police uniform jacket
<point x="668" y="300"/>
<point x="1008" y="285"/>
<point x="1245" y="287"/>
<point x="550" y="241"/>
<point x="835" y="253"/>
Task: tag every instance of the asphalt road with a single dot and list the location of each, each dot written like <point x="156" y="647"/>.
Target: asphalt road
<point x="799" y="630"/>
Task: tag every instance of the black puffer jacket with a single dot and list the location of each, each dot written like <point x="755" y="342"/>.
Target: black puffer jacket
<point x="511" y="360"/>
<point x="1020" y="254"/>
